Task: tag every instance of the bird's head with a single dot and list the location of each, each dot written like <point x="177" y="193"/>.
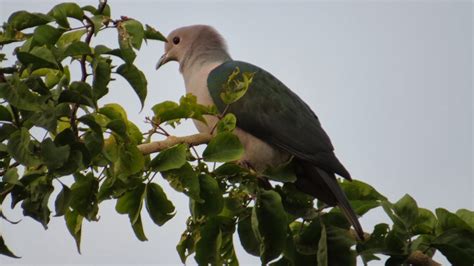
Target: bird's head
<point x="188" y="44"/>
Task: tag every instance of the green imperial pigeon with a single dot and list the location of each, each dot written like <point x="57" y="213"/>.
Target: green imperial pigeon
<point x="273" y="123"/>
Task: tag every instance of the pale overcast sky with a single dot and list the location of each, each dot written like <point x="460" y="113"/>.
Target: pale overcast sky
<point x="391" y="82"/>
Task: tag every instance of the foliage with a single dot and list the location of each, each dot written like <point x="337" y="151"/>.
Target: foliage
<point x="97" y="145"/>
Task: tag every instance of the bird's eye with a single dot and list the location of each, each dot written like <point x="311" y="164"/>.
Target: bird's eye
<point x="176" y="40"/>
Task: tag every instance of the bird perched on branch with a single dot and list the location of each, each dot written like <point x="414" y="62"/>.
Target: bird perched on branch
<point x="273" y="123"/>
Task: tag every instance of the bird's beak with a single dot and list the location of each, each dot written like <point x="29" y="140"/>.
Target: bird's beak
<point x="163" y="60"/>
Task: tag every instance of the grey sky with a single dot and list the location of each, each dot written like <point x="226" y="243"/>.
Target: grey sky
<point x="390" y="81"/>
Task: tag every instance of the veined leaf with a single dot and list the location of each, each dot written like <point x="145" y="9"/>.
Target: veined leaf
<point x="224" y="147"/>
<point x="54" y="157"/>
<point x="64" y="10"/>
<point x="84" y="196"/>
<point x="184" y="180"/>
<point x="152" y="34"/>
<point x="18" y="95"/>
<point x="39" y="57"/>
<point x="4" y="250"/>
<point x="22" y="19"/>
<point x="46" y="35"/>
<point x="227" y="123"/>
<point x="158" y="205"/>
<point x="136" y="79"/>
<point x="135" y="32"/>
<point x="74" y="226"/>
<point x="171" y="158"/>
<point x="101" y="71"/>
<point x="269" y="223"/>
<point x="20" y="148"/>
<point x="211" y="194"/>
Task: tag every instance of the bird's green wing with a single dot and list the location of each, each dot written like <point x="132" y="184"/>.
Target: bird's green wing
<point x="273" y="113"/>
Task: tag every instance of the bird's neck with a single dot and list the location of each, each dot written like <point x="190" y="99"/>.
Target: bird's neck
<point x="195" y="77"/>
<point x="200" y="56"/>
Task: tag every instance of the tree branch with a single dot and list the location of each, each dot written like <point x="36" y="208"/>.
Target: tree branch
<point x="192" y="140"/>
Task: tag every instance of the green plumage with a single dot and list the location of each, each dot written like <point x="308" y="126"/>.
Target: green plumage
<point x="271" y="112"/>
<point x="276" y="115"/>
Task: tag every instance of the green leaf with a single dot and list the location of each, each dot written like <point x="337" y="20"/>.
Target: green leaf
<point x="152" y="34"/>
<point x="358" y="190"/>
<point x="282" y="173"/>
<point x="6" y="130"/>
<point x="101" y="72"/>
<point x="22" y="19"/>
<point x="5" y="114"/>
<point x="296" y="202"/>
<point x="269" y="223"/>
<point x="323" y="248"/>
<point x="161" y="108"/>
<point x="407" y="210"/>
<point x="131" y="161"/>
<point x="158" y="205"/>
<point x="102" y="49"/>
<point x="113" y="111"/>
<point x="467" y="216"/>
<point x="448" y="220"/>
<point x="93" y="139"/>
<point x="374" y="244"/>
<point x="74" y="226"/>
<point x="20" y="148"/>
<point x="98" y="21"/>
<point x="136" y="79"/>
<point x="184" y="180"/>
<point x="11" y="177"/>
<point x="236" y="86"/>
<point x="171" y="158"/>
<point x="18" y="95"/>
<point x="211" y="194"/>
<point x="186" y="243"/>
<point x="425" y="222"/>
<point x="229" y="169"/>
<point x="247" y="237"/>
<point x="339" y="243"/>
<point x="62" y="202"/>
<point x="70" y="37"/>
<point x="46" y="35"/>
<point x="36" y="84"/>
<point x="119" y="127"/>
<point x="135" y="32"/>
<point x="4" y="250"/>
<point x="54" y="157"/>
<point x="35" y="204"/>
<point x="188" y="107"/>
<point x="84" y="196"/>
<point x="224" y="147"/>
<point x="131" y="203"/>
<point x="38" y="57"/>
<point x="209" y="244"/>
<point x="307" y="237"/>
<point x="125" y="44"/>
<point x="138" y="229"/>
<point x="9" y="37"/>
<point x="77" y="48"/>
<point x="457" y="245"/>
<point x="227" y="123"/>
<point x="62" y="11"/>
<point x="79" y="92"/>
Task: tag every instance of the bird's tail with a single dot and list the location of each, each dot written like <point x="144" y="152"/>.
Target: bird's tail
<point x="342" y="202"/>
